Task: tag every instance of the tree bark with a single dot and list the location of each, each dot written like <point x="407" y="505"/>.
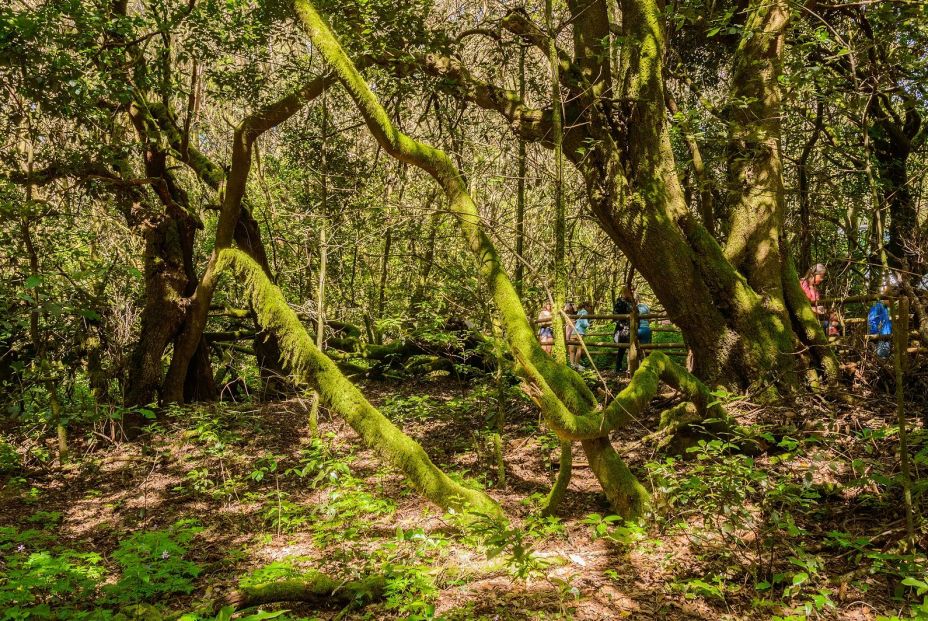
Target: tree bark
<point x="176" y="239"/>
<point x="892" y="140"/>
<point x="163" y="312"/>
<point x="236" y="181"/>
<point x="565" y="400"/>
<point x="736" y="323"/>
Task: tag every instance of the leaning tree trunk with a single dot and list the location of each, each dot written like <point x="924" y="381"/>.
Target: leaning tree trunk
<point x="197" y="382"/>
<point x="566" y="402"/>
<point x="267" y="348"/>
<point x="309" y="364"/>
<point x="244" y="137"/>
<point x="247" y="232"/>
<point x="737" y="323"/>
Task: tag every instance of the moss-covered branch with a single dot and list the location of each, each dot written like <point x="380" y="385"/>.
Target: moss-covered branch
<point x="565" y="400"/>
<point x="308" y="364"/>
<point x="236" y="182"/>
<point x="313" y="587"/>
<point x="567" y="385"/>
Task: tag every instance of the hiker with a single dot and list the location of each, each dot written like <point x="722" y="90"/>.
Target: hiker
<point x="546" y="330"/>
<point x="810" y="283"/>
<point x="880" y="323"/>
<point x="580" y="328"/>
<point x="644" y="326"/>
<point x="569" y="311"/>
<point x="622" y="334"/>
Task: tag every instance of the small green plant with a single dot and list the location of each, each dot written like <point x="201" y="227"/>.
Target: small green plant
<point x="410" y="591"/>
<point x="264" y="467"/>
<point x="226" y="613"/>
<point x="272" y="572"/>
<point x="346" y="513"/>
<point x="45" y="518"/>
<point x="412" y="407"/>
<point x="283" y="515"/>
<point x="36" y="577"/>
<point x="211" y="432"/>
<point x="716" y="487"/>
<point x="698" y="587"/>
<point x="614" y="528"/>
<point x="319" y="465"/>
<point x="32" y="582"/>
<point x="153" y="564"/>
<point x="10" y="461"/>
<point x="199" y="481"/>
<point x="512" y="543"/>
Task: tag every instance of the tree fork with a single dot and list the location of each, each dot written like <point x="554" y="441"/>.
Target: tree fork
<point x="244" y="137"/>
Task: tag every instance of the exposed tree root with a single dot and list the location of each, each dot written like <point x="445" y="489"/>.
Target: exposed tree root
<point x="313" y="587"/>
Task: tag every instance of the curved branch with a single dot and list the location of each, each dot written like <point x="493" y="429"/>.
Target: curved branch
<point x="310" y="365"/>
<point x="235" y="184"/>
<point x="530" y="124"/>
<point x="559" y="390"/>
<point x="482" y="32"/>
<point x="520" y="24"/>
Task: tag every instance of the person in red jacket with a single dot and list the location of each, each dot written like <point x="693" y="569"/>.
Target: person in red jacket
<point x="810" y="284"/>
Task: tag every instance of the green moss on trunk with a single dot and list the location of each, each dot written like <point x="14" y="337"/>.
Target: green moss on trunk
<point x="564" y="470"/>
<point x="308" y="364"/>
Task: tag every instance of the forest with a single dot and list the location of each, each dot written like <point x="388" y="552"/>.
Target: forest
<point x="463" y="310"/>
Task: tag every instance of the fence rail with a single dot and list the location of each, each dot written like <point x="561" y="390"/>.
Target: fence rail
<point x="848" y="339"/>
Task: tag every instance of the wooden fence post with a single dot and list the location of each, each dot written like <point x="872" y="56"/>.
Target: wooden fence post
<point x="633" y="340"/>
<point x="900" y="340"/>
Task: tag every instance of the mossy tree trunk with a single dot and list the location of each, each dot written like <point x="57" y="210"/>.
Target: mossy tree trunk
<point x="566" y="402"/>
<point x="742" y="326"/>
<point x="163" y="312"/>
<point x="244" y="137"/>
<point x="310" y="365"/>
<point x="170" y="277"/>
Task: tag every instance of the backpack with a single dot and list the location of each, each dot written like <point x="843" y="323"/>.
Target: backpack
<point x="622" y="332"/>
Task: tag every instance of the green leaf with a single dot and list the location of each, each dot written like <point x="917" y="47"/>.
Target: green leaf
<point x="90" y="314"/>
<point x="263" y="614"/>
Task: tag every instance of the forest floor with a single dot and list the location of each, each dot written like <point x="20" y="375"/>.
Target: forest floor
<point x="809" y="528"/>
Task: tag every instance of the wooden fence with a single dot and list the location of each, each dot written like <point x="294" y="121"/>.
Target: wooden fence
<point x="853" y="330"/>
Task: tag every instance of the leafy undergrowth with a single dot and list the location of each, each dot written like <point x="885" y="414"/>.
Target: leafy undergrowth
<point x="222" y="498"/>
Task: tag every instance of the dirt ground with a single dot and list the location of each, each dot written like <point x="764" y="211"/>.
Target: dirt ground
<point x="114" y="488"/>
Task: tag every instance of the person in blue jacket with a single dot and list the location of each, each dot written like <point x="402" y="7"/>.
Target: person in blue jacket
<point x="580" y="327"/>
<point x="644" y="326"/>
<point x="879" y="322"/>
